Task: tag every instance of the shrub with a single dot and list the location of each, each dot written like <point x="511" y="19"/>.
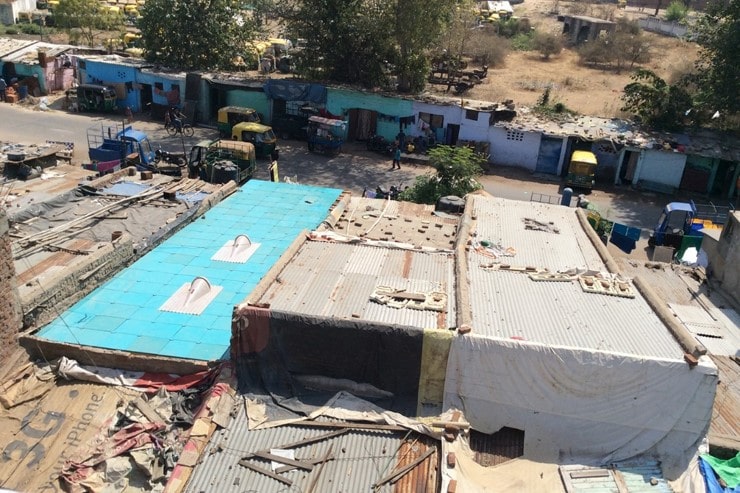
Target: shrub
<point x="522" y="42"/>
<point x="547" y="44"/>
<point x="676" y="11"/>
<point x="11" y="30"/>
<point x="510" y="28"/>
<point x="487" y="48"/>
<point x="30" y="28"/>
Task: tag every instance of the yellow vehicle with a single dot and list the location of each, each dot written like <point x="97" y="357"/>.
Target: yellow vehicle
<point x="228" y="116"/>
<point x="131" y="10"/>
<point x="254" y="50"/>
<point x="207" y="158"/>
<point x="131" y="40"/>
<point x="262" y="136"/>
<point x="582" y="170"/>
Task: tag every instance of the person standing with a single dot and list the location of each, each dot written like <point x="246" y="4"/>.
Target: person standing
<point x="3" y="88"/>
<point x="396" y="158"/>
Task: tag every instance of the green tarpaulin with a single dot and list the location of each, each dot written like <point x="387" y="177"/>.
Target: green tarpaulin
<point x="728" y="470"/>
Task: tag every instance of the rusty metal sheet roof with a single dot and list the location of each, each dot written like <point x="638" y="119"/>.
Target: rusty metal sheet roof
<point x="725" y="423"/>
<point x="361" y="458"/>
<point x="337" y="279"/>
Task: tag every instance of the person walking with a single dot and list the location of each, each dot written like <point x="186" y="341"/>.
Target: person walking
<point x="3" y="88"/>
<point x="396" y="158"/>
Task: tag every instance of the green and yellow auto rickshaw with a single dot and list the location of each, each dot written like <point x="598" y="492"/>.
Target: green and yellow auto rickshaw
<point x="582" y="170"/>
<point x="93" y="97"/>
<point x="228" y="116"/>
<point x="261" y="136"/>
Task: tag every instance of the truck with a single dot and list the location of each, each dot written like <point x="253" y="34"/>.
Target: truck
<point x="109" y="143"/>
<point x="681" y="219"/>
<point x="221" y="161"/>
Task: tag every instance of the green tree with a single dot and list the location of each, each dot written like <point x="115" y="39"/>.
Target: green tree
<point x="418" y="27"/>
<point x="658" y="104"/>
<point x="457" y="168"/>
<point x="547" y="44"/>
<point x="347" y="41"/>
<point x="717" y="77"/>
<point x="194" y="34"/>
<point x="86" y="19"/>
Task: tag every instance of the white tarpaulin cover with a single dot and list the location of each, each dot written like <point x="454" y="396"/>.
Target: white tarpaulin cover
<point x="584" y="405"/>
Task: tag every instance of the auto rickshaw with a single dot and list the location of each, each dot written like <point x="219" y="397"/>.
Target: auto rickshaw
<point x="228" y="116"/>
<point x="92" y="97"/>
<point x="261" y="136"/>
<point x="207" y="161"/>
<point x="326" y="135"/>
<point x="582" y="170"/>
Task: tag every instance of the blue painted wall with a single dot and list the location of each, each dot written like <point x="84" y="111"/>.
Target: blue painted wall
<point x="168" y="81"/>
<point x="340" y="101"/>
<point x="101" y="72"/>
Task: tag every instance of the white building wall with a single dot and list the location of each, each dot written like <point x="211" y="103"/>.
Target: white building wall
<point x="23" y="6"/>
<point x="451" y="115"/>
<point x="514" y="147"/>
<point x="477" y="129"/>
<point x="661" y="167"/>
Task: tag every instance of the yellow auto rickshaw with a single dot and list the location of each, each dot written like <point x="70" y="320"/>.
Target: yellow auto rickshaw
<point x="582" y="170"/>
<point x="228" y="116"/>
<point x="261" y="136"/>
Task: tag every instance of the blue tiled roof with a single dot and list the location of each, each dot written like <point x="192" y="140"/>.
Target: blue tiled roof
<point x="123" y="314"/>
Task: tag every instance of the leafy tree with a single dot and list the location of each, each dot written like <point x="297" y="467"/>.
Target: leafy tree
<point x="87" y="18"/>
<point x="347" y="41"/>
<point x="658" y="104"/>
<point x="194" y="34"/>
<point x="457" y="168"/>
<point x="547" y="44"/>
<point x="717" y="77"/>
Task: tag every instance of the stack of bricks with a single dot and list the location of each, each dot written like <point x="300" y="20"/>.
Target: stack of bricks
<point x="10" y="308"/>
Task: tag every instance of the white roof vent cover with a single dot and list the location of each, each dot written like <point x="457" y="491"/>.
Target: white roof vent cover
<point x="237" y="250"/>
<point x="192" y="297"/>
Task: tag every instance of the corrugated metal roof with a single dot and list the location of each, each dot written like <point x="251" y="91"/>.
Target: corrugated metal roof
<point x="634" y="477"/>
<point x="337" y="279"/>
<point x="501" y="221"/>
<point x="361" y="458"/>
<point x="726" y="413"/>
<point x="11" y="45"/>
<point x="509" y="304"/>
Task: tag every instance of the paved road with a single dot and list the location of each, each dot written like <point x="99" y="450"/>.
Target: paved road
<point x="354" y="169"/>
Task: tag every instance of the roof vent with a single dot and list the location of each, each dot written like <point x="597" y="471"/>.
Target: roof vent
<point x="237" y="250"/>
<point x="192" y="297"/>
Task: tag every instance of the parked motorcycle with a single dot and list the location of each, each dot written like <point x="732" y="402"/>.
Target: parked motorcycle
<point x="380" y="193"/>
<point x="378" y="143"/>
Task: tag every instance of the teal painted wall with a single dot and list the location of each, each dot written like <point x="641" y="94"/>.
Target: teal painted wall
<point x="251" y="99"/>
<point x="340" y="101"/>
<point x="32" y="70"/>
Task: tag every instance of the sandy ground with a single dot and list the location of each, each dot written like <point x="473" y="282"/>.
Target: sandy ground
<point x="524" y="75"/>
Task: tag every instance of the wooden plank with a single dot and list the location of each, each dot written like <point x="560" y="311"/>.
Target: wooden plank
<point x="295" y="463"/>
<point x="590" y="473"/>
<point x="306" y="441"/>
<point x="398" y="474"/>
<point x="282" y="469"/>
<point x="266" y="472"/>
<point x="619" y="480"/>
<point x="316" y="476"/>
<point x="351" y="426"/>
